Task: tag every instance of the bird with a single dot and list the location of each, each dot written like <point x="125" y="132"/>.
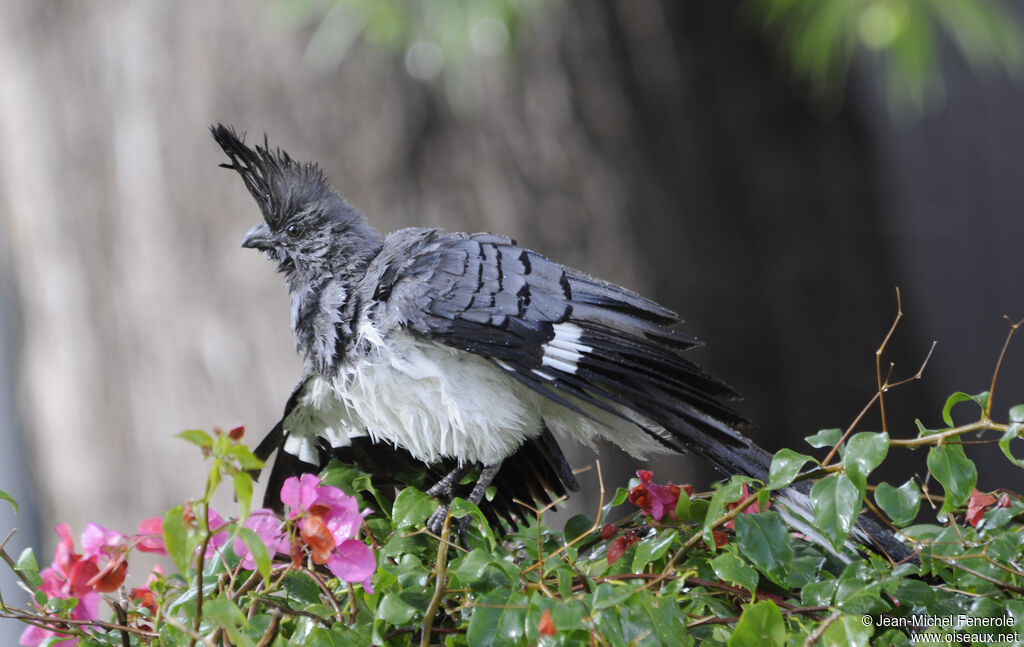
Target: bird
<point x="457" y="353"/>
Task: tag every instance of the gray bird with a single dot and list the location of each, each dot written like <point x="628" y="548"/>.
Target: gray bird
<point x="459" y="351"/>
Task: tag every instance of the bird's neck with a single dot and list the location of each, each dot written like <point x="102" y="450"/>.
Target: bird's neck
<point x="324" y="305"/>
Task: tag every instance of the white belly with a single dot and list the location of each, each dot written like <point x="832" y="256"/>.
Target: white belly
<point x="436" y="402"/>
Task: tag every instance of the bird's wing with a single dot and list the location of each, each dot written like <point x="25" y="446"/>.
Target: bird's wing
<point x="579" y="341"/>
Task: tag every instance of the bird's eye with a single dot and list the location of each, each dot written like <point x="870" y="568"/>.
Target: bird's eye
<point x="293" y="231"/>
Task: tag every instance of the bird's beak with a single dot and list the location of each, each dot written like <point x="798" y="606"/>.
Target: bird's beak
<point x="259" y="237"/>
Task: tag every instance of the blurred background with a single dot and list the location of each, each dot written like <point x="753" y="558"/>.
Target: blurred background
<point x="770" y="169"/>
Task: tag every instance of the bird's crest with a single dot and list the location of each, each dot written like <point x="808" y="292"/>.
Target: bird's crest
<point x="277" y="182"/>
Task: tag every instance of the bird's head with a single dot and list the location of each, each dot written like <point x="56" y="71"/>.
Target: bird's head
<point x="308" y="228"/>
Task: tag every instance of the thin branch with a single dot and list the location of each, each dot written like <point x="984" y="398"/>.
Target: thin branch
<point x="878" y="360"/>
<point x="999" y="362"/>
<point x="820" y="631"/>
<point x="440" y="582"/>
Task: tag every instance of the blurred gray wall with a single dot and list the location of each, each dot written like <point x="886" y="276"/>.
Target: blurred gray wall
<point x="656" y="144"/>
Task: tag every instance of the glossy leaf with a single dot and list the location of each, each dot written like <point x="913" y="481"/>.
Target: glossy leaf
<point x="835" y="501"/>
<point x="825" y="438"/>
<point x="847" y="631"/>
<point x="499" y="618"/>
<point x="764" y="539"/>
<point x="760" y="624"/>
<point x="864" y="452"/>
<point x="901" y="504"/>
<point x="957" y="474"/>
<point x="786" y="465"/>
<point x="730" y="568"/>
<point x="411" y="508"/>
<point x="947" y="409"/>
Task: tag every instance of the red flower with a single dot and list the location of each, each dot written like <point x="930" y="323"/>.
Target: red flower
<point x="619" y="546"/>
<point x="111" y="577"/>
<point x="654" y="499"/>
<point x="976" y="506"/>
<point x="753" y="508"/>
<point x="237" y="432"/>
<point x="546" y="626"/>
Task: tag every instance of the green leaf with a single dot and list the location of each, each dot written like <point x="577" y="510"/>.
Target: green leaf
<point x="608" y="595"/>
<point x="498" y="619"/>
<point x="396" y="611"/>
<point x="764" y="539"/>
<point x="226" y="613"/>
<point x="825" y="438"/>
<point x="242" y="482"/>
<point x="176" y="542"/>
<point x="760" y="624"/>
<point x="957" y="474"/>
<point x="947" y="416"/>
<point x="683" y="511"/>
<point x="197" y="437"/>
<point x="653" y="548"/>
<point x="481" y="569"/>
<point x="577" y="526"/>
<point x="8" y="498"/>
<point x="1013" y="433"/>
<point x="901" y="504"/>
<point x="461" y="508"/>
<point x="411" y="508"/>
<point x="723" y="496"/>
<point x="835" y="501"/>
<point x="246" y="459"/>
<point x="29" y="567"/>
<point x="864" y="452"/>
<point x="847" y="631"/>
<point x="621" y="494"/>
<point x="260" y="554"/>
<point x="786" y="465"/>
<point x="730" y="568"/>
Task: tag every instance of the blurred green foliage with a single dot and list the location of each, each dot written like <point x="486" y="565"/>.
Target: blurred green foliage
<point x="441" y="39"/>
<point x="822" y="37"/>
<point x="447" y="39"/>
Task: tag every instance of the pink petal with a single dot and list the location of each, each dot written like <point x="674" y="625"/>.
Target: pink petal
<point x="352" y="561"/>
<point x="151" y="536"/>
<point x="97" y="540"/>
<point x="219" y="538"/>
<point x="299" y="493"/>
<point x="267" y="527"/>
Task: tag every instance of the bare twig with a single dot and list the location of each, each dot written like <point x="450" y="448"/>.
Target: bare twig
<point x="878" y="360"/>
<point x="999" y="362"/>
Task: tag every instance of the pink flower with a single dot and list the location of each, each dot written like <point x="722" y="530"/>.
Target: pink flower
<point x="69" y="576"/>
<point x="151" y="536"/>
<point x="108" y="550"/>
<point x="329" y="522"/>
<point x="269" y="529"/>
<point x="220" y="535"/>
<point x="653" y="499"/>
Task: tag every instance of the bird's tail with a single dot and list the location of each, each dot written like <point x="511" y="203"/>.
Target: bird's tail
<point x="794" y="504"/>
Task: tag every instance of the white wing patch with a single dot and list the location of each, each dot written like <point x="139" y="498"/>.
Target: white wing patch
<point x="563" y="353"/>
